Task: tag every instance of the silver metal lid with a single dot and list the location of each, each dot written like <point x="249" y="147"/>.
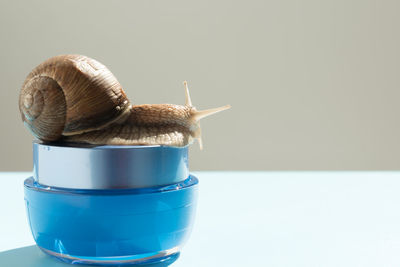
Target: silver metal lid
<point x="107" y="167"/>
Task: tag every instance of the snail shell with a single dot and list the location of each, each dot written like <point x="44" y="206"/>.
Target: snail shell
<point x="68" y="95"/>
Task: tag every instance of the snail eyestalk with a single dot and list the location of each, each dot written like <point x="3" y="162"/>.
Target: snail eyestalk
<point x="200" y="114"/>
<point x="188" y="101"/>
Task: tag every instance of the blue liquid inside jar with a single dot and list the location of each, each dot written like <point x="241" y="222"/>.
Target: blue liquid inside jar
<point x="112" y="226"/>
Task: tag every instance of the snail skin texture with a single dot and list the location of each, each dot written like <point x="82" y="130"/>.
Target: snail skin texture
<point x="73" y="98"/>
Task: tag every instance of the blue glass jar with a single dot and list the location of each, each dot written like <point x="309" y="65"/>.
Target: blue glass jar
<point x="123" y="220"/>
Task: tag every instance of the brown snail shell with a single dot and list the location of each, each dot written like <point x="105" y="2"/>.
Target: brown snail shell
<point x="68" y="95"/>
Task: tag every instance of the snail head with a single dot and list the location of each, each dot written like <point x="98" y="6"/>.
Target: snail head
<point x="197" y="115"/>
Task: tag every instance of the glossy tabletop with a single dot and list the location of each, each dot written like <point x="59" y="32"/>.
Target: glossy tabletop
<point x="259" y="219"/>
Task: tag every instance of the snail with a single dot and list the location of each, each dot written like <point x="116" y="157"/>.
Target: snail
<point x="76" y="99"/>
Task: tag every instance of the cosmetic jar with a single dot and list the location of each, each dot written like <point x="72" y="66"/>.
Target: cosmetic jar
<point x="111" y="205"/>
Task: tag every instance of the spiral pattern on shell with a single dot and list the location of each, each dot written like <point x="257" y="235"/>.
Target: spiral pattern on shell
<point x="68" y="95"/>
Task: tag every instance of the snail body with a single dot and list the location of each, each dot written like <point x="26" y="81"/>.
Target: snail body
<point x="73" y="98"/>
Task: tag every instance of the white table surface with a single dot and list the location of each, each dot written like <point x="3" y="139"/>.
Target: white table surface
<point x="259" y="219"/>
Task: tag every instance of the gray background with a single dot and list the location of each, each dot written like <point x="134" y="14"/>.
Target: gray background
<point x="313" y="84"/>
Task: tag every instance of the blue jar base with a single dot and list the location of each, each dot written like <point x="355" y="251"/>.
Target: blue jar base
<point x="163" y="258"/>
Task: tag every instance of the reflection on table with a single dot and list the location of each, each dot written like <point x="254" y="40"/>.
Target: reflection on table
<point x="32" y="256"/>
